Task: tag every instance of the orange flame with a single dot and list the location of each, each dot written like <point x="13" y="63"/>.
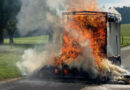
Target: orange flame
<point x="65" y="71"/>
<point x="82" y="28"/>
<point x="82" y="5"/>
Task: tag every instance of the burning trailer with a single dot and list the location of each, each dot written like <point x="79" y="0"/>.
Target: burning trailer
<point x="90" y="48"/>
<point x="110" y="23"/>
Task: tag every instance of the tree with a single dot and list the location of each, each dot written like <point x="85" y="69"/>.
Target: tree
<point x="11" y="28"/>
<point x="5" y="16"/>
<point x="8" y="12"/>
<point x="2" y="21"/>
<point x="12" y="7"/>
<point x="50" y="34"/>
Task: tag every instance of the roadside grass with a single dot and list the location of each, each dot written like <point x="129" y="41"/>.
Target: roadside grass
<point x="9" y="55"/>
<point x="8" y="68"/>
<point x="125" y="35"/>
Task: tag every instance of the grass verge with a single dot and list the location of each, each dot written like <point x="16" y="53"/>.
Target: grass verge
<point x="125" y="35"/>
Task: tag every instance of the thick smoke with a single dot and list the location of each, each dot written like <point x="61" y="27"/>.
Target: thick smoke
<point x="86" y="61"/>
<point x="33" y="60"/>
<point x="38" y="16"/>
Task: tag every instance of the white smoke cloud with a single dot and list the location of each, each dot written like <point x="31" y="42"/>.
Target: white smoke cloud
<point x="58" y="5"/>
<point x="33" y="60"/>
<point x="86" y="61"/>
<point x="38" y="15"/>
<point x="114" y="3"/>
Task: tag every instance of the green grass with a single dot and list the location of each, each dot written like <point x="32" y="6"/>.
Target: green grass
<point x="9" y="55"/>
<point x="125" y="35"/>
<point x="8" y="67"/>
<point x="125" y="29"/>
<point x="30" y="40"/>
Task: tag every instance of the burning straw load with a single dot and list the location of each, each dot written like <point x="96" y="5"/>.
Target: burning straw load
<point x="84" y="34"/>
<point x="81" y="31"/>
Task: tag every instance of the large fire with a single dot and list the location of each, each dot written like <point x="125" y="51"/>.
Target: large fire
<point x="83" y="30"/>
<point x="85" y="27"/>
<point x="84" y="48"/>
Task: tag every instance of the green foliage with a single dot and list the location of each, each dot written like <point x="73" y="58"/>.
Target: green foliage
<point x="8" y="12"/>
<point x="11" y="25"/>
<point x="125" y="13"/>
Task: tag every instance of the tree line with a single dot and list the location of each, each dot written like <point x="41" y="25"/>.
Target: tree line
<point x="125" y="13"/>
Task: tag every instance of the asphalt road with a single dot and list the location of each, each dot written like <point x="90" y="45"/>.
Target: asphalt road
<point x="125" y="55"/>
<point x="36" y="84"/>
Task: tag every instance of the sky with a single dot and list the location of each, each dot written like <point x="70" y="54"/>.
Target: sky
<point x="115" y="3"/>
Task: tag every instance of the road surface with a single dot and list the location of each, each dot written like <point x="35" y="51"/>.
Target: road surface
<point x="36" y="84"/>
<point x="125" y="52"/>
